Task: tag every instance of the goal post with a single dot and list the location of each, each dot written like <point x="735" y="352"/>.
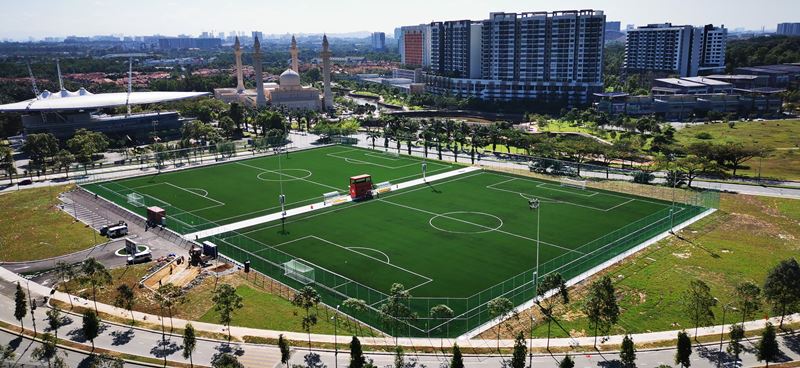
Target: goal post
<point x="299" y="272"/>
<point x="573" y="183"/>
<point x="136" y="200"/>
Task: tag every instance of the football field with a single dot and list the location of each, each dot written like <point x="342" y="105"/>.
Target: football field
<point x="211" y="196"/>
<point x="459" y="241"/>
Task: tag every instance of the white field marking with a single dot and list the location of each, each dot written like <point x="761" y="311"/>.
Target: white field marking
<point x="350" y="249"/>
<point x="144" y="186"/>
<point x="265" y="209"/>
<point x="558" y="189"/>
<point x="219" y="203"/>
<point x="608" y="193"/>
<point x="357" y="161"/>
<point x="492" y="187"/>
<point x="281" y="173"/>
<point x="479" y="225"/>
<point x="446" y="214"/>
<point x="199" y="190"/>
<point x="374" y="250"/>
<point x="289" y="221"/>
<point x="384" y="156"/>
<point x="298" y="178"/>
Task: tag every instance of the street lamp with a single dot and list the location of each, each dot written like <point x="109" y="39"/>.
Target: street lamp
<point x="725" y="308"/>
<point x="530" y="342"/>
<point x="534" y="204"/>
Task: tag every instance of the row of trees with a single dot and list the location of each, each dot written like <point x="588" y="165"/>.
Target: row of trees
<point x="45" y="151"/>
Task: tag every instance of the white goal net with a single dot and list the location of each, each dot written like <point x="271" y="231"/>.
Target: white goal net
<point x="298" y="271"/>
<point x="579" y="184"/>
<point x="136" y="200"/>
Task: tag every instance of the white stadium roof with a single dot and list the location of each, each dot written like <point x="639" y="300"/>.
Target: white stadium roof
<point x="84" y="100"/>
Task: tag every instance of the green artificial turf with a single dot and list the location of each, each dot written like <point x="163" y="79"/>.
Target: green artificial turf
<point x="460" y="241"/>
<point x="206" y="197"/>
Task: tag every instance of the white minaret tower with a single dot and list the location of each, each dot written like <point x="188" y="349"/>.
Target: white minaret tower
<point x="293" y="51"/>
<point x="260" y="99"/>
<point x="326" y="74"/>
<point x="237" y="50"/>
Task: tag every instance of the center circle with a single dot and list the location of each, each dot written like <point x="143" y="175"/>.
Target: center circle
<point x="469" y="218"/>
<point x="302" y="174"/>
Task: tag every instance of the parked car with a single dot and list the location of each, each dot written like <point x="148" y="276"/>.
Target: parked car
<point x="25" y="182"/>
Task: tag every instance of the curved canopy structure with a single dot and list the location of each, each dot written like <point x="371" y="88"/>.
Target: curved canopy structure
<point x="84" y="100"/>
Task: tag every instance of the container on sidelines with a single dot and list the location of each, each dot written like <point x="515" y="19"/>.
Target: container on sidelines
<point x="361" y="187"/>
<point x="156" y="216"/>
<point x="209" y="249"/>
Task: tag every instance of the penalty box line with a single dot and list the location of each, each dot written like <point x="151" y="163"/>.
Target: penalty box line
<point x="494" y="187"/>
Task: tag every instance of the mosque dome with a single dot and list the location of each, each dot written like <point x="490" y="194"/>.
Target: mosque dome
<point x="290" y="78"/>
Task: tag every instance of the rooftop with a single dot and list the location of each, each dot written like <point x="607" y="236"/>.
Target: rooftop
<point x="706" y="81"/>
<point x="680" y="82"/>
<point x="82" y="100"/>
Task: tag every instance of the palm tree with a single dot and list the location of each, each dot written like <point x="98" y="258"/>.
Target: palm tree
<point x="96" y="275"/>
<point x="373" y="134"/>
<point x="426" y="134"/>
<point x="410" y="128"/>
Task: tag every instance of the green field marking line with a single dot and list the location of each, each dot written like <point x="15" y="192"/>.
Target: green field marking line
<point x="384" y="156"/>
<point x="488" y="228"/>
<point x="531" y="196"/>
<point x="370" y="154"/>
<point x="291" y="176"/>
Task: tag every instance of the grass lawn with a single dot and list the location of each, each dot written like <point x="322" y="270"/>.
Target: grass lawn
<point x="31" y="227"/>
<point x="366" y="93"/>
<point x="781" y="135"/>
<point x="741" y="242"/>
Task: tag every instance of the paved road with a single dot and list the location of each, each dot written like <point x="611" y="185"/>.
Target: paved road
<point x="150" y="343"/>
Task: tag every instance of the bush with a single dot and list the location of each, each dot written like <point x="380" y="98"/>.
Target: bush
<point x="703" y="135"/>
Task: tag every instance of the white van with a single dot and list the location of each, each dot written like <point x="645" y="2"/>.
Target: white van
<point x="117" y="231"/>
<point x="141" y="257"/>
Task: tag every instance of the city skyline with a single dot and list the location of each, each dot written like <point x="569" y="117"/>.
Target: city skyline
<point x="21" y="21"/>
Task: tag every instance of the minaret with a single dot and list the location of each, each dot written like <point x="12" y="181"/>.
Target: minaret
<point x="293" y="52"/>
<point x="326" y="74"/>
<point x="237" y="50"/>
<point x="260" y="99"/>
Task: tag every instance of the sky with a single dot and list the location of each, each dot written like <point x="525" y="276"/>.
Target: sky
<point x="40" y="18"/>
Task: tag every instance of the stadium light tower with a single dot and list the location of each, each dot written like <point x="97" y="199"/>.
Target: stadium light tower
<point x="534" y="204"/>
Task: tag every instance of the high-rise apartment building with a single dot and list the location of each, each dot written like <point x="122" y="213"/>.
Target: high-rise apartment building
<point x="789" y="29"/>
<point x="415" y="45"/>
<point x="685" y="51"/>
<point x="378" y="41"/>
<point x="556" y="56"/>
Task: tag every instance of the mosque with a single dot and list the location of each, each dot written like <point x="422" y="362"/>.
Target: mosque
<point x="288" y="93"/>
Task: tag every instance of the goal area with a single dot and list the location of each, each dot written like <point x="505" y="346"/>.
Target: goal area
<point x="299" y="272"/>
<point x="136" y="200"/>
<point x="573" y="183"/>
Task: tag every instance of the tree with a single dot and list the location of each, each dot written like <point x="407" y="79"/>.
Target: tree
<point x="64" y="272"/>
<point x="39" y="147"/>
<point x="283" y="346"/>
<point x="499" y="308"/>
<point x="601" y="306"/>
<point x="306" y="299"/>
<point x="357" y="359"/>
<point x="20" y="307"/>
<point x="567" y="362"/>
<point x="684" y="350"/>
<point x="399" y="358"/>
<point x="227" y="125"/>
<point x="226" y="360"/>
<point x="6" y="354"/>
<point x="767" y="348"/>
<point x="782" y="287"/>
<point x="458" y="360"/>
<point x="552" y="281"/>
<point x="627" y="353"/>
<point x="236" y="114"/>
<point x="519" y="353"/>
<point x="735" y="346"/>
<point x="168" y="295"/>
<point x="96" y="275"/>
<point x="737" y="153"/>
<point x="106" y="360"/>
<point x="86" y="143"/>
<point x="747" y="298"/>
<point x="441" y="312"/>
<point x="189" y="343"/>
<point x="91" y="326"/>
<point x="697" y="304"/>
<point x="63" y="160"/>
<point x="47" y="351"/>
<point x="125" y="299"/>
<point x="396" y="309"/>
<point x="355" y="305"/>
<point x="54" y="320"/>
<point x="7" y="163"/>
<point x="226" y="301"/>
